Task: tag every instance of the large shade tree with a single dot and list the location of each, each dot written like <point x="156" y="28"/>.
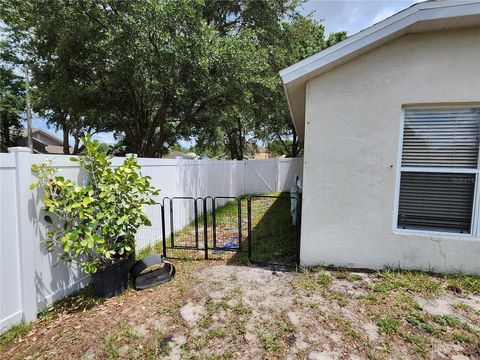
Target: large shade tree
<point x="260" y="112"/>
<point x="157" y="71"/>
<point x="12" y="98"/>
<point x="145" y="69"/>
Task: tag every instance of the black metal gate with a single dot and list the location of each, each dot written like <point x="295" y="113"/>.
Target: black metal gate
<point x="210" y="226"/>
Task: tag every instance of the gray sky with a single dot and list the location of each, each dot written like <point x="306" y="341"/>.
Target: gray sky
<point x="353" y="15"/>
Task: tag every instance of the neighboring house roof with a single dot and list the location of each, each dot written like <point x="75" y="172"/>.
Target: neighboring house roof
<point x="174" y="154"/>
<point x="421" y="17"/>
<point x="55" y="149"/>
<point x="52" y="138"/>
<point x="43" y="142"/>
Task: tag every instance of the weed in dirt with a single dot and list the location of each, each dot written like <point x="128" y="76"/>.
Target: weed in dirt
<point x="434" y="329"/>
<point x="462" y="337"/>
<point x="388" y="325"/>
<point x="166" y="349"/>
<point x="323" y="278"/>
<point x="461" y="283"/>
<point x="461" y="306"/>
<point x="386" y="347"/>
<point x="241" y="309"/>
<point x="342" y="302"/>
<point x="269" y="341"/>
<point x="215" y="356"/>
<point x="206" y="322"/>
<point x="233" y="277"/>
<point x="348" y="329"/>
<point x="416" y="282"/>
<point x="165" y="310"/>
<point x="407" y="302"/>
<point x="197" y="342"/>
<point x="160" y="346"/>
<point x="418" y="342"/>
<point x="47" y="314"/>
<point x="309" y="280"/>
<point x="216" y="333"/>
<point x="369" y="349"/>
<point x="110" y="347"/>
<point x="15" y="332"/>
<point x="217" y="305"/>
<point x="369" y="299"/>
<point x="285" y="325"/>
<point x="129" y="332"/>
<point x="447" y="320"/>
<point x="345" y="275"/>
<point x="241" y="326"/>
<point x="416" y="319"/>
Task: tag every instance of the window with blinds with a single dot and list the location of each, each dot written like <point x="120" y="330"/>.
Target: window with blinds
<point x="439" y="169"/>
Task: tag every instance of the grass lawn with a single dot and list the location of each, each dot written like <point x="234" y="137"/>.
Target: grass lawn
<point x="212" y="310"/>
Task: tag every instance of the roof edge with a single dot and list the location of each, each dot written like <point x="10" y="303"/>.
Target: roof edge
<point x="424" y="11"/>
<point x="420" y="16"/>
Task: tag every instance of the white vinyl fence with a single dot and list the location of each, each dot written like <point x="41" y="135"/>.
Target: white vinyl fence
<point x="29" y="281"/>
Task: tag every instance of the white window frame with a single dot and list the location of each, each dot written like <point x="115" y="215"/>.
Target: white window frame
<point x="475" y="225"/>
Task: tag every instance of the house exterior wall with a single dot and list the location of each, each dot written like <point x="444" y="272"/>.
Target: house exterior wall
<point x="353" y="122"/>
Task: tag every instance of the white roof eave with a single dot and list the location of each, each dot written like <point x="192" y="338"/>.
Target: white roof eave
<point x="295" y="76"/>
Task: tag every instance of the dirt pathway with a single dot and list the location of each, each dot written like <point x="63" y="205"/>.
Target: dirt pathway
<point x="235" y="312"/>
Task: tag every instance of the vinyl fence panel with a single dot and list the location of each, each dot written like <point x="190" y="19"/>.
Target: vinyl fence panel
<point x="29" y="279"/>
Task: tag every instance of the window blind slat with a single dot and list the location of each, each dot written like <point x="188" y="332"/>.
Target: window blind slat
<point x="441" y="137"/>
<point x="436" y="201"/>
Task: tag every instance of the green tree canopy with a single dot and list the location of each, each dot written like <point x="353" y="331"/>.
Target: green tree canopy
<point x="12" y="92"/>
<point x="156" y="71"/>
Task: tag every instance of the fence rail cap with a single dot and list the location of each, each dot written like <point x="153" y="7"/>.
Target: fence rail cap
<point x="16" y="149"/>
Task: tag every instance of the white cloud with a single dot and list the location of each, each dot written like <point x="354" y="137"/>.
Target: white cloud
<point x="353" y="15"/>
<point x="106" y="138"/>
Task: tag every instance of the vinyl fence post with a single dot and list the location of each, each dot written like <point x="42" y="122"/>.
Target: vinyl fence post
<point x="25" y="230"/>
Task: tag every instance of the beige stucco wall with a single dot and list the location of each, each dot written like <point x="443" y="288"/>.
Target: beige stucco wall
<point x="353" y="119"/>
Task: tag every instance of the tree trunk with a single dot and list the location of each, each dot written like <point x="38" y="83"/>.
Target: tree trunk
<point x="5" y="135"/>
<point x="66" y="145"/>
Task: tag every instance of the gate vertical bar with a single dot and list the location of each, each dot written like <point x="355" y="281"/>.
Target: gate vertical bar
<point x="249" y="227"/>
<point x="214" y="224"/>
<point x="171" y="224"/>
<point x="239" y="210"/>
<point x="195" y="206"/>
<point x="164" y="240"/>
<point x="205" y="229"/>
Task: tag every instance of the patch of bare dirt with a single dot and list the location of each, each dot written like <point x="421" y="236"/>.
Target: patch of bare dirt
<point x="237" y="312"/>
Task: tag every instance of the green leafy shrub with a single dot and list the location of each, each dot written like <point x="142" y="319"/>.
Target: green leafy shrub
<point x="94" y="223"/>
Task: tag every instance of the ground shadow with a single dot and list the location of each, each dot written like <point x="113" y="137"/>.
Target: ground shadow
<point x="274" y="239"/>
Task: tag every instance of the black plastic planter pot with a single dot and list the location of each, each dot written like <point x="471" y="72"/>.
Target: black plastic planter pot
<point x="112" y="280"/>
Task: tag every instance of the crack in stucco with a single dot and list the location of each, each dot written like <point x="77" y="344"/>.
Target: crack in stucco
<point x="439" y="242"/>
